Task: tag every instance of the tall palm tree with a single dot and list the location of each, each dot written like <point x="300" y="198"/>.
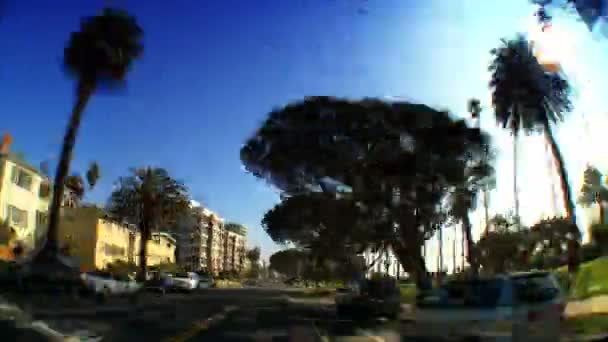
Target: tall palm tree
<point x="528" y="98"/>
<point x="594" y="191"/>
<point x="463" y="200"/>
<point x="150" y="199"/>
<point x="474" y="109"/>
<point x="98" y="55"/>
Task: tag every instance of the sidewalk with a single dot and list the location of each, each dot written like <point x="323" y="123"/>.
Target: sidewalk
<point x="593" y="305"/>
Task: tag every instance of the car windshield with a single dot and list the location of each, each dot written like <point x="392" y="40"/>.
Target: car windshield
<point x="181" y="275"/>
<point x="101" y="274"/>
<point x="535" y="288"/>
<point x="477" y="293"/>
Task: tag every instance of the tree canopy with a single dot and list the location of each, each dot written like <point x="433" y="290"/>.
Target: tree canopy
<point x="150" y="199"/>
<point x="395" y="161"/>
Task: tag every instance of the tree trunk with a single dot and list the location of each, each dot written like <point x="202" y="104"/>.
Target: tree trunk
<point x="85" y="91"/>
<point x="601" y="209"/>
<point x="486" y="209"/>
<point x="471" y="257"/>
<point x="565" y="187"/>
<point x="413" y="262"/>
<point x="143" y="249"/>
<point x="562" y="173"/>
<point x="515" y="192"/>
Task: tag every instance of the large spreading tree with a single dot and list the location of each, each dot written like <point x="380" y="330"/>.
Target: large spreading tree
<point x="396" y="161"/>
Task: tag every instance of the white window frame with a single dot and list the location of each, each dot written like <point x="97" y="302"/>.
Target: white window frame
<point x="18" y="173"/>
<point x="9" y="210"/>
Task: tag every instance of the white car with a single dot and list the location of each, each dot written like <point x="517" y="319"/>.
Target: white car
<point x="104" y="283"/>
<point x="517" y="307"/>
<point x="187" y="281"/>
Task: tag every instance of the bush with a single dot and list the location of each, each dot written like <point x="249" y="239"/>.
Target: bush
<point x="599" y="235"/>
<point x="121" y="268"/>
<point x="590" y="251"/>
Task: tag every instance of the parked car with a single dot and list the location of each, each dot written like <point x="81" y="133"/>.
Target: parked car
<point x="159" y="282"/>
<point x="186" y="281"/>
<point x="377" y="297"/>
<point x="524" y="306"/>
<point x="205" y="281"/>
<point x="106" y="284"/>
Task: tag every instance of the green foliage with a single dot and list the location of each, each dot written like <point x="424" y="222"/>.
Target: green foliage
<point x="503" y="249"/>
<point x="408" y="293"/>
<point x="104" y="48"/>
<point x="599" y="233"/>
<point x="289" y="262"/>
<point x="395" y="162"/>
<point x="150" y="199"/>
<point x="93" y="174"/>
<point x="591" y="251"/>
<point x="551" y="237"/>
<point x="76" y="184"/>
<point x="121" y="268"/>
<point x="594" y="188"/>
<point x="253" y="255"/>
<point x="167" y="267"/>
<point x="591" y="279"/>
<point x="524" y="96"/>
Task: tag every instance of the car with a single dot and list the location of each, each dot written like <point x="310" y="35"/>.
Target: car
<point x="185" y="281"/>
<point x="377" y="297"/>
<point x="205" y="281"/>
<point x="522" y="306"/>
<point x="159" y="282"/>
<point x="105" y="284"/>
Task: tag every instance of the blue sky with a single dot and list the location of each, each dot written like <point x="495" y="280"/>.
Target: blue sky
<point x="212" y="70"/>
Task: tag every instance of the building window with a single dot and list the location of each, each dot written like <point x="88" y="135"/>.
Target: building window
<point x="17" y="217"/>
<point x="41" y="219"/>
<point x="45" y="190"/>
<point x="22" y="178"/>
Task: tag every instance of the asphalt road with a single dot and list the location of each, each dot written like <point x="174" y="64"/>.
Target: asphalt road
<point x="250" y="314"/>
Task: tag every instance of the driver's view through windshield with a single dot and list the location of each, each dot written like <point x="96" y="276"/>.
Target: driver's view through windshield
<point x="303" y="170"/>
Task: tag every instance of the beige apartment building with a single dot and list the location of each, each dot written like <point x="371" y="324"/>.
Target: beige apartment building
<point x="235" y="243"/>
<point x="191" y="235"/>
<point x="97" y="241"/>
<point x="25" y="193"/>
<point x="206" y="243"/>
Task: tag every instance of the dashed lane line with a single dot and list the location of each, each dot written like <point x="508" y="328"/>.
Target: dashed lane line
<point x="202" y="325"/>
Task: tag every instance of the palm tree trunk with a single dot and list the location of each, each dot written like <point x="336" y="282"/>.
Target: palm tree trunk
<point x="601" y="209"/>
<point x="562" y="173"/>
<point x="85" y="91"/>
<point x="143" y="249"/>
<point x="567" y="196"/>
<point x="486" y="209"/>
<point x="515" y="192"/>
<point x="471" y="259"/>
